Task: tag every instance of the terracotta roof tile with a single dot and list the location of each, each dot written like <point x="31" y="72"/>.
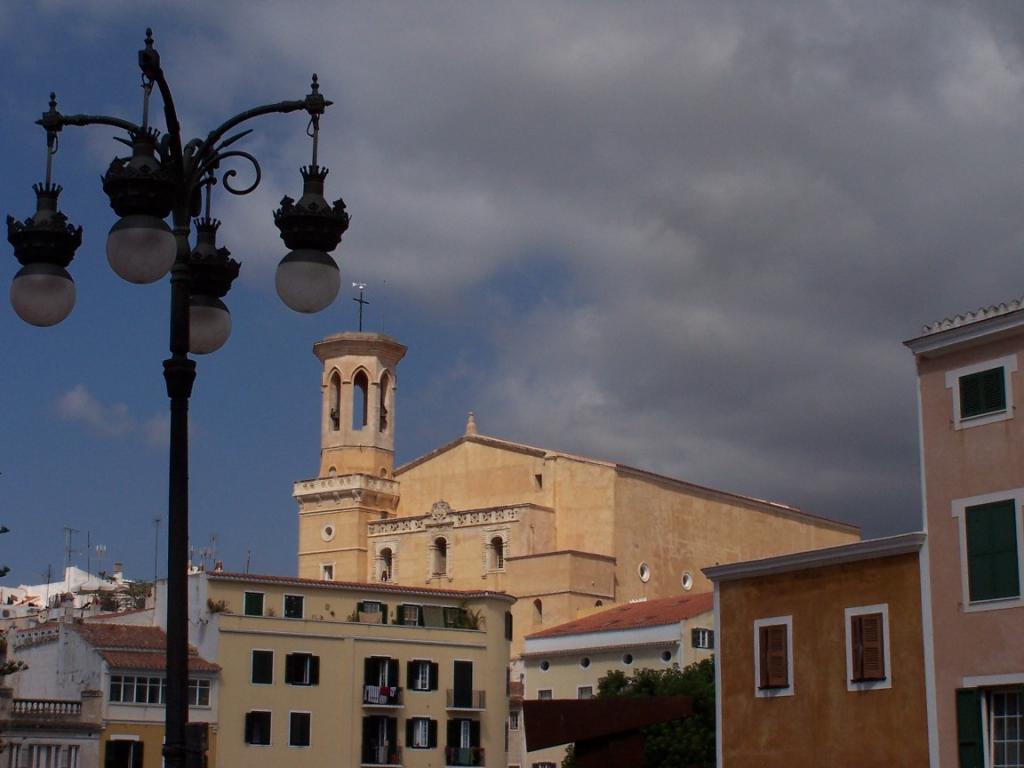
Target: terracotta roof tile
<point x="122" y="636"/>
<point x="152" y="661"/>
<point x="651" y="613"/>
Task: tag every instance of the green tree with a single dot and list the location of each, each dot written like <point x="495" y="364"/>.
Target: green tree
<point x="680" y="744"/>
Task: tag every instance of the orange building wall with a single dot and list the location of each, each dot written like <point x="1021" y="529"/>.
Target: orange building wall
<point x="823" y="724"/>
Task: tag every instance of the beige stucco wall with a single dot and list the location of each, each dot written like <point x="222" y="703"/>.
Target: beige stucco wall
<point x="679" y="529"/>
<point x="823" y="724"/>
<point x="336" y="703"/>
<point x="151" y="736"/>
<point x="961" y="464"/>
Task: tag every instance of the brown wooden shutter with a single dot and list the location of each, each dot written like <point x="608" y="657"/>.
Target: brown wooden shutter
<point x="873" y="646"/>
<point x="775" y="657"/>
<point x="857" y="649"/>
<point x="762" y="648"/>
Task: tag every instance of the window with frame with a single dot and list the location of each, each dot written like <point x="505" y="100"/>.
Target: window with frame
<point x="420" y="733"/>
<point x="867" y="647"/>
<point x="421" y="675"/>
<point x="199" y="692"/>
<point x="982" y="393"/>
<point x="773" y="656"/>
<point x="544" y="694"/>
<point x="993" y="568"/>
<point x="257" y="728"/>
<point x="262" y="668"/>
<point x="120" y="752"/>
<point x="298" y="729"/>
<point x="990" y="721"/>
<point x="293" y="606"/>
<point x="585" y="692"/>
<point x="513" y="720"/>
<point x="702" y="638"/>
<point x="253" y="604"/>
<point x="301" y="669"/>
<point x="410" y="615"/>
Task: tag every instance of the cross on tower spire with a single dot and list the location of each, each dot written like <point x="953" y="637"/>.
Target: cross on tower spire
<point x="360" y="301"/>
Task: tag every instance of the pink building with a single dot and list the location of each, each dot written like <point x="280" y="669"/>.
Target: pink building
<point x="972" y="451"/>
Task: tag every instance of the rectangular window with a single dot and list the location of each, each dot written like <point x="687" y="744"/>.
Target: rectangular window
<point x="257" y="728"/>
<point x="409" y="615"/>
<point x="198" y="693"/>
<point x="302" y="669"/>
<point x="263" y="667"/>
<point x="298" y="729"/>
<point x="118" y="752"/>
<point x="253" y="604"/>
<point x="422" y="675"/>
<point x="867" y="647"/>
<point x="420" y="733"/>
<point x="327" y="572"/>
<point x="293" y="606"/>
<point x="544" y="694"/>
<point x="773" y="656"/>
<point x="513" y="720"/>
<point x="585" y="692"/>
<point x="982" y="393"/>
<point x="1006" y="728"/>
<point x="992" y="557"/>
<point x="702" y="638"/>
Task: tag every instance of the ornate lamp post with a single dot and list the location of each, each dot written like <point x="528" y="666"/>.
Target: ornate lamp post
<point x="164" y="177"/>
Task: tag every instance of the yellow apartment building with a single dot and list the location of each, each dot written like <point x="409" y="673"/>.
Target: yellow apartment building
<point x="317" y="673"/>
<point x="567" y="535"/>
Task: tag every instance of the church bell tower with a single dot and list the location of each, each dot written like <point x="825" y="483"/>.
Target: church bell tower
<point x="357" y="434"/>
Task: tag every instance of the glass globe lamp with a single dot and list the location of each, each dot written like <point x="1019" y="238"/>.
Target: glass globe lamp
<point x="141" y="248"/>
<point x="42" y="294"/>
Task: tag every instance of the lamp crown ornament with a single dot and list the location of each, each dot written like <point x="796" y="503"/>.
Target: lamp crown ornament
<point x="140" y="184"/>
<point x="46" y="237"/>
<point x="212" y="268"/>
<point x="312" y="222"/>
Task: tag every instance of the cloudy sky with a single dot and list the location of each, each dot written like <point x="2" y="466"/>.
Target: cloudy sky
<point x="688" y="237"/>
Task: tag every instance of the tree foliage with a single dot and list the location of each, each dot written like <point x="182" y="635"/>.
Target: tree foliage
<point x="680" y="744"/>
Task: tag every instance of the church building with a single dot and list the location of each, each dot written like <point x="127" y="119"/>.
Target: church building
<point x="565" y="534"/>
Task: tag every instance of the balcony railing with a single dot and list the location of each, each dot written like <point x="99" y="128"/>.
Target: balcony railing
<point x="467" y="700"/>
<point x="463" y="756"/>
<point x="382" y="696"/>
<point x="46" y="708"/>
<point x="381" y="754"/>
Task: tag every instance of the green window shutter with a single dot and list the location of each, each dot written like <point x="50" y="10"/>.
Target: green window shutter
<point x="968" y="728"/>
<point x="992" y="570"/>
<point x="982" y="392"/>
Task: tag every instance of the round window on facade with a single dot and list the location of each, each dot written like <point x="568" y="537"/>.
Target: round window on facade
<point x="327" y="532"/>
<point x="585" y="662"/>
<point x="687" y="581"/>
<point x="666" y="656"/>
<point x="545" y="665"/>
<point x="644" y="572"/>
<point x="627" y="659"/>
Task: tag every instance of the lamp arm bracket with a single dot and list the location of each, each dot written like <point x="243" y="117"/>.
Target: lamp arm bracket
<point x="59" y="121"/>
<point x="280" y="108"/>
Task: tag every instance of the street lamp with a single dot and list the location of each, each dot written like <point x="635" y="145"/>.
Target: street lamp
<point x="164" y="177"/>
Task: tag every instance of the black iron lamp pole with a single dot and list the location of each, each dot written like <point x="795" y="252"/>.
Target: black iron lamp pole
<point x="166" y="178"/>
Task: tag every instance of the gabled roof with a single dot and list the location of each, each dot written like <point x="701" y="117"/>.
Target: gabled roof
<point x="982" y="324"/>
<point x="126" y="637"/>
<point x="650" y="613"/>
<point x="355" y="586"/>
<point x="624" y="469"/>
<point x="134" y="647"/>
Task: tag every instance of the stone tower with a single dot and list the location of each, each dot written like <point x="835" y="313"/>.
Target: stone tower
<point x="357" y="433"/>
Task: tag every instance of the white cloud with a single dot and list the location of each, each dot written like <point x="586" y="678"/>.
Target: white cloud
<point x="79" y="405"/>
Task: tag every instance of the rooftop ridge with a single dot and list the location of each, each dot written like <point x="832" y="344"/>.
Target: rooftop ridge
<point x="974" y="316"/>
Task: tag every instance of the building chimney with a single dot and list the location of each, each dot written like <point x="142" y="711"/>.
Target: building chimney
<point x="118" y="572"/>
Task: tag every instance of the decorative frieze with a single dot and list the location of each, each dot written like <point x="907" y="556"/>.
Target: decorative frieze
<point x="442" y="515"/>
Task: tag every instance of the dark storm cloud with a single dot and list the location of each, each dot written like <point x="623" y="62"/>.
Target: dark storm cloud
<point x="747" y="206"/>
